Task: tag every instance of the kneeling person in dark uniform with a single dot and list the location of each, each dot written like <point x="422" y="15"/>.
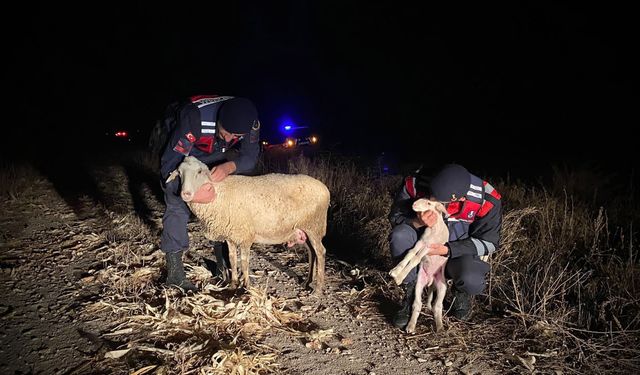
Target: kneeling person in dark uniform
<point x="207" y="127"/>
<point x="474" y="223"/>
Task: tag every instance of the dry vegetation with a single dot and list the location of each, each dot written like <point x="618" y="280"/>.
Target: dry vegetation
<point x="565" y="281"/>
<point x="562" y="297"/>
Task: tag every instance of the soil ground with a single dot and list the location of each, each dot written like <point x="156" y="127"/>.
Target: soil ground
<point x="60" y="231"/>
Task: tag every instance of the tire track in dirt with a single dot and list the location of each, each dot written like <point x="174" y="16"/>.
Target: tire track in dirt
<point x="44" y="251"/>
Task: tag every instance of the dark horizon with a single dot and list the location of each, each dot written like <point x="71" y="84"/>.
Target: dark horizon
<point x="506" y="85"/>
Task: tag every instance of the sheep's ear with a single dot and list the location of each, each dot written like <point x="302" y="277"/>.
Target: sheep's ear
<point x="440" y="208"/>
<point x="172" y="176"/>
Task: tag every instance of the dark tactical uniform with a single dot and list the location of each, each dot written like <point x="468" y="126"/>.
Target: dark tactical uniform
<point x="193" y="131"/>
<point x="474" y="225"/>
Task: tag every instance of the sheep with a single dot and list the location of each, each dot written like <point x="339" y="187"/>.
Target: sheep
<point x="431" y="273"/>
<point x="267" y="209"/>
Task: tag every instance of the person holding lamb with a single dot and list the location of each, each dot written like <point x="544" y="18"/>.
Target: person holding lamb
<point x="221" y="131"/>
<point x="474" y="221"/>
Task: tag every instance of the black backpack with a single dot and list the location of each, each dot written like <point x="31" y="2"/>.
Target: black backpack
<point x="162" y="129"/>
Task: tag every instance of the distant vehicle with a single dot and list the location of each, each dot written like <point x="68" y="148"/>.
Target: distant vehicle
<point x="291" y="142"/>
<point x="297" y="136"/>
<point x="122" y="134"/>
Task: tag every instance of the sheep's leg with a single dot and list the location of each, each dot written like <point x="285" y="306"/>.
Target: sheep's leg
<point x="441" y="289"/>
<point x="312" y="260"/>
<point x="316" y="272"/>
<point x="233" y="264"/>
<point x="430" y="292"/>
<point x="403" y="263"/>
<point x="417" y="302"/>
<point x="244" y="262"/>
<point x="410" y="261"/>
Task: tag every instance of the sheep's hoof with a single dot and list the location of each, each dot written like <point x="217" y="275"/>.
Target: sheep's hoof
<point x="314" y="288"/>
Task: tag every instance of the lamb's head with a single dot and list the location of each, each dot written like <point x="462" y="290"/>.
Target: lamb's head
<point x="196" y="181"/>
<point x="423" y="204"/>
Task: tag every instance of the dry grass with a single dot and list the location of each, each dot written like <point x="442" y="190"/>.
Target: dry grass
<point x="565" y="275"/>
<point x="562" y="296"/>
<point x="210" y="332"/>
<point x="360" y="204"/>
<point x="16" y="179"/>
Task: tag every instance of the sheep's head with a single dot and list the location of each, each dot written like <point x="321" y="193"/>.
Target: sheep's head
<point x="196" y="181"/>
<point x="423" y="204"/>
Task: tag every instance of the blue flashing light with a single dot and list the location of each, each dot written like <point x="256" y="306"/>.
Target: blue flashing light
<point x="287" y="125"/>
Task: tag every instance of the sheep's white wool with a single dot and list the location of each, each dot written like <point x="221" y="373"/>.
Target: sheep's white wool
<point x="267" y="209"/>
<point x="431" y="272"/>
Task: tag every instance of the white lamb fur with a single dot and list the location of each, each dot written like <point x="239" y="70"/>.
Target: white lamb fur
<point x="431" y="272"/>
<point x="267" y="209"/>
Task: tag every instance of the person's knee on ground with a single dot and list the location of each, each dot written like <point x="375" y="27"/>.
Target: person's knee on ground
<point x="468" y="276"/>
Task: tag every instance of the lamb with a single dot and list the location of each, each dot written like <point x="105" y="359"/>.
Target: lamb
<point x="431" y="272"/>
<point x="268" y="209"/>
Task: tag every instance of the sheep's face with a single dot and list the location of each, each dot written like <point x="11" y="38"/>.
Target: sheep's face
<point x="196" y="181"/>
<point x="423" y="204"/>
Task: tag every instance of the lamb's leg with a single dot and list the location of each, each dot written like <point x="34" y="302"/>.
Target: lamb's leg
<point x="410" y="261"/>
<point x="403" y="263"/>
<point x="430" y="291"/>
<point x="441" y="289"/>
<point x="417" y="302"/>
<point x="319" y="252"/>
<point x="233" y="264"/>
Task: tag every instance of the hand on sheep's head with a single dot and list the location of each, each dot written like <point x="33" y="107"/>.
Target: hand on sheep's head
<point x="221" y="171"/>
<point x="427" y="212"/>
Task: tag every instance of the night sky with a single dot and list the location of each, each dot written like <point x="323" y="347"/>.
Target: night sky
<point x="506" y="84"/>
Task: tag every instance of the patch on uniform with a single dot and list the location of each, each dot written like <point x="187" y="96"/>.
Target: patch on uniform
<point x="254" y="134"/>
<point x="183" y="147"/>
<point x="190" y="137"/>
<point x="205" y="144"/>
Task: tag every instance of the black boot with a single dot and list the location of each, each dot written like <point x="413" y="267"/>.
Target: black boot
<point x="401" y="319"/>
<point x="461" y="308"/>
<point x="175" y="272"/>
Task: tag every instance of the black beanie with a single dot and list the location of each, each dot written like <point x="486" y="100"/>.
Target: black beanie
<point x="452" y="181"/>
<point x="237" y="115"/>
